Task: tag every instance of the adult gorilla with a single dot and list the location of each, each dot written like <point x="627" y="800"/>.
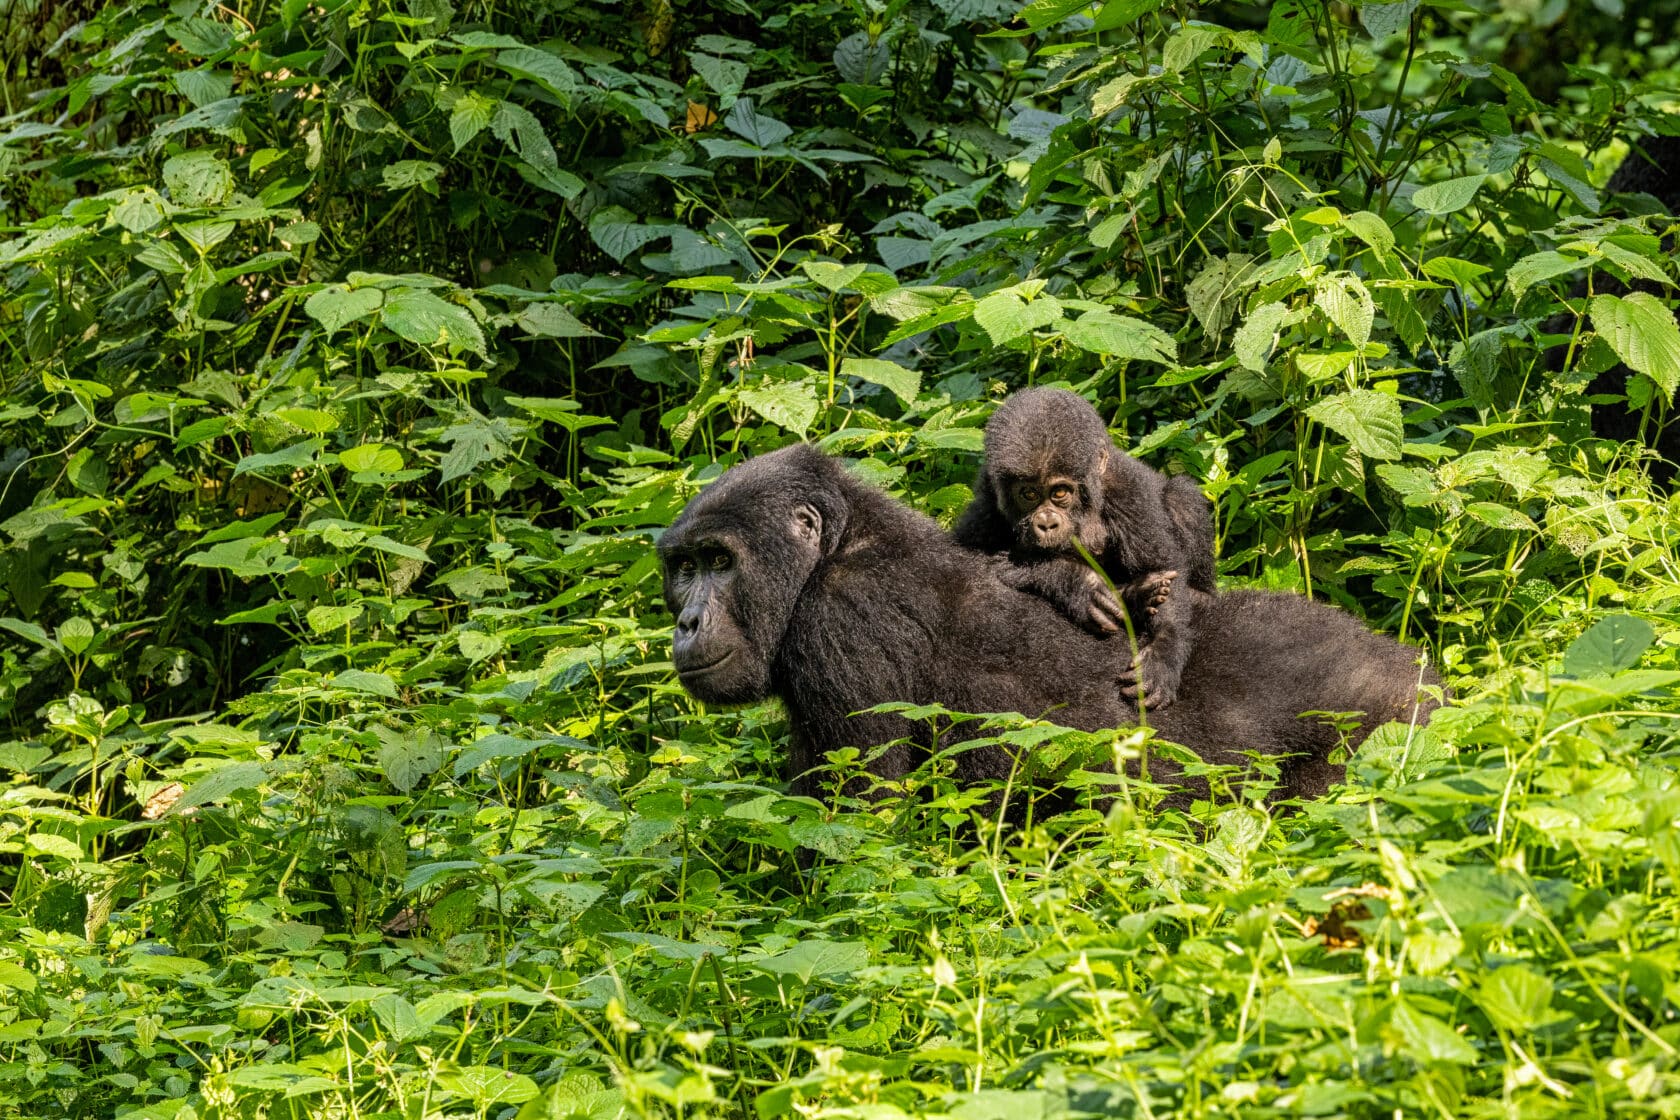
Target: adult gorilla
<point x="790" y="578"/>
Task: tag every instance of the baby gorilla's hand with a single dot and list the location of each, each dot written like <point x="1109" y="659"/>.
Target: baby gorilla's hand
<point x="1094" y="606"/>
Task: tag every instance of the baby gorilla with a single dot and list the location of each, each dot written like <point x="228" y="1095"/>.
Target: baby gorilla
<point x="1052" y="475"/>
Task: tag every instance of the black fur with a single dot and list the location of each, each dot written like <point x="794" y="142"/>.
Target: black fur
<point x="1137" y="523"/>
<point x="836" y="598"/>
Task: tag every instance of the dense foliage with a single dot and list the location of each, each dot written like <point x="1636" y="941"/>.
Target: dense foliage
<point x="355" y="352"/>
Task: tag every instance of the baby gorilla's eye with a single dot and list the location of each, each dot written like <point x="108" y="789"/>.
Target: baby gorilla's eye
<point x="685" y="566"/>
<point x="1029" y="495"/>
<point x="722" y="562"/>
<point x="1061" y="493"/>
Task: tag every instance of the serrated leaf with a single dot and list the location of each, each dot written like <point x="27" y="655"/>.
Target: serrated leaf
<point x="406" y="757"/>
<point x="220" y="783"/>
<point x="1005" y="316"/>
<point x="1448" y="197"/>
<point x="407" y="173"/>
<point x="1384" y="20"/>
<point x="1367" y="419"/>
<point x="902" y="383"/>
<point x="547" y="70"/>
<point x="1641" y="329"/>
<point x="754" y="127"/>
<point x="1502" y="517"/>
<point x="287" y="459"/>
<point x="1371" y="229"/>
<point x="360" y="680"/>
<point x="724" y="77"/>
<point x="371" y="457"/>
<point x="1516" y="997"/>
<point x="551" y="320"/>
<point x="475" y="645"/>
<point x="788" y="405"/>
<point x="197" y="178"/>
<point x="1122" y="336"/>
<point x="1609" y="646"/>
<point x="1254" y="340"/>
<point x="427" y="320"/>
<point x="1539" y="267"/>
<point x="472" y="112"/>
<point x="1346" y="302"/>
<point x="337" y="306"/>
<point x="813" y="958"/>
<point x="331" y="620"/>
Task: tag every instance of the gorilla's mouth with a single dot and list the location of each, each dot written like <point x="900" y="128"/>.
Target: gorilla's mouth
<point x="701" y="670"/>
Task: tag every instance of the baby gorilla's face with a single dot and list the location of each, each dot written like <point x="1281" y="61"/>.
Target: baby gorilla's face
<point x="1047" y="511"/>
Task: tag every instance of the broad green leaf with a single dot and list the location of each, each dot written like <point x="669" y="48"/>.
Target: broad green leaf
<point x="1384" y="20"/>
<point x="197" y="178"/>
<point x="1641" y="330"/>
<point x="475" y="645"/>
<point x="76" y="634"/>
<point x="547" y="70"/>
<point x="312" y="420"/>
<point x="406" y="173"/>
<point x="287" y="459"/>
<point x="425" y="319"/>
<point x="724" y="77"/>
<point x="1005" y="316"/>
<point x="471" y="114"/>
<point x="1516" y="997"/>
<point x="1502" y="517"/>
<point x="371" y="457"/>
<point x="1254" y="340"/>
<point x="903" y="383"/>
<point x="332" y="620"/>
<point x="1427" y="1040"/>
<point x="1537" y="268"/>
<point x="789" y="405"/>
<point x="407" y="756"/>
<point x="1121" y="336"/>
<point x="551" y="320"/>
<point x="1609" y="646"/>
<point x="1367" y="419"/>
<point x="336" y="306"/>
<point x="1448" y="197"/>
<point x="488" y="1085"/>
<point x="814" y="958"/>
<point x="1371" y="229"/>
<point x="1345" y="301"/>
<point x="219" y="784"/>
<point x="360" y="680"/>
<point x="557" y="410"/>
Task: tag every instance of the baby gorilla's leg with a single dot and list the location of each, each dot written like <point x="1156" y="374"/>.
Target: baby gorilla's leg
<point x="1145" y="596"/>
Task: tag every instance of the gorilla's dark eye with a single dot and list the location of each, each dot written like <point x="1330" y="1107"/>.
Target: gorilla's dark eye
<point x="1061" y="493"/>
<point x="722" y="562"/>
<point x="685" y="566"/>
<point x="1029" y="494"/>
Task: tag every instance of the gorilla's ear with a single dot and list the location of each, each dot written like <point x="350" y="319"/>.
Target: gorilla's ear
<point x="1102" y="459"/>
<point x="807" y="524"/>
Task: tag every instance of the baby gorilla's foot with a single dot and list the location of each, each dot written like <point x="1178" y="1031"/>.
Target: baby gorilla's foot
<point x="1151" y="681"/>
<point x="1148" y="592"/>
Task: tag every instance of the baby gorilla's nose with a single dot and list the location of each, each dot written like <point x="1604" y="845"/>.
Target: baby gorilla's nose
<point x="1047" y="521"/>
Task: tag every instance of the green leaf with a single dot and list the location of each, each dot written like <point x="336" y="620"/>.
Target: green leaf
<point x="76" y="634"/>
<point x="471" y="114"/>
<point x="547" y="70"/>
<point x="1254" y="340"/>
<point x="790" y="405"/>
<point x="427" y="320"/>
<point x="815" y="958"/>
<point x="550" y="320"/>
<point x="1516" y="997"/>
<point x="360" y="680"/>
<point x="406" y="173"/>
<point x="371" y="457"/>
<point x="1448" y="197"/>
<point x="331" y="620"/>
<point x="337" y="306"/>
<point x="1005" y="316"/>
<point x="556" y="410"/>
<point x="406" y="757"/>
<point x="903" y="383"/>
<point x="475" y="645"/>
<point x="1367" y="419"/>
<point x="1385" y="20"/>
<point x="1427" y="1040"/>
<point x="1345" y="301"/>
<point x="197" y="178"/>
<point x="1121" y="336"/>
<point x="1610" y="645"/>
<point x="288" y="459"/>
<point x="1539" y="267"/>
<point x="1643" y="333"/>
<point x="1502" y="517"/>
<point x="1371" y="229"/>
<point x="219" y="784"/>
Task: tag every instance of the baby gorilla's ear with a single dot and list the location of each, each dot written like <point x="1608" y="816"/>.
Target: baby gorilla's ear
<point x="807" y="524"/>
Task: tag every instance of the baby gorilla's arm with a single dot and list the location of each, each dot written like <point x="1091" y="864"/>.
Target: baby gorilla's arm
<point x="1073" y="588"/>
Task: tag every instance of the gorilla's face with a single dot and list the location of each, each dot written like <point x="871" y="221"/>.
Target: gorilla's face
<point x="735" y="562"/>
<point x="1047" y="511"/>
